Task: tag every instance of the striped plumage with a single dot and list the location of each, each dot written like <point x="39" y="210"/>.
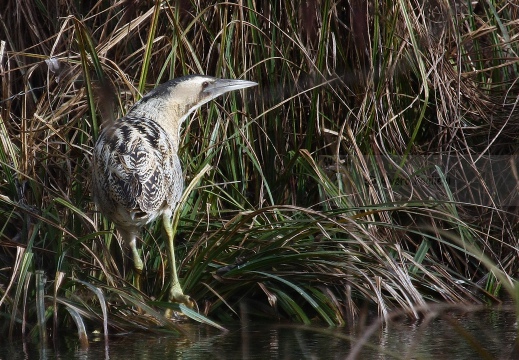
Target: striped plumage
<point x="137" y="176"/>
<point x="143" y="178"/>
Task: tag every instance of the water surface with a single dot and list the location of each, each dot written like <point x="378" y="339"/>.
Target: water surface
<point x="477" y="335"/>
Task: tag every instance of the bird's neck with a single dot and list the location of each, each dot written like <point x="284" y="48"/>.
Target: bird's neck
<point x="169" y="116"/>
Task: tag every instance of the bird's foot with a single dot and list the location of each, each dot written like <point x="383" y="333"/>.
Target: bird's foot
<point x="183" y="299"/>
<point x="177" y="296"/>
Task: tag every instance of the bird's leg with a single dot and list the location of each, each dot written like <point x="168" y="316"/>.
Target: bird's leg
<point x="129" y="236"/>
<point x="137" y="262"/>
<point x="175" y="293"/>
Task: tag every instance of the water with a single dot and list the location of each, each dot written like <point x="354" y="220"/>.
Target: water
<point x="478" y="335"/>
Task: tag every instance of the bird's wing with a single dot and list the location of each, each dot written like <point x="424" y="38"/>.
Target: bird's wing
<point x="137" y="165"/>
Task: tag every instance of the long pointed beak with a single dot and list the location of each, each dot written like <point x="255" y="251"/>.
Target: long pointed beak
<point x="221" y="86"/>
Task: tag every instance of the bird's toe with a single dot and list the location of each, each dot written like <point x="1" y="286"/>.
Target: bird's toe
<point x="179" y="298"/>
<point x="183" y="299"/>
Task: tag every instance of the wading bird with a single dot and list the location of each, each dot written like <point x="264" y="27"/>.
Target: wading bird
<point x="137" y="175"/>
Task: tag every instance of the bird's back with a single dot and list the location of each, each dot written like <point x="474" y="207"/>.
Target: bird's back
<point x="136" y="172"/>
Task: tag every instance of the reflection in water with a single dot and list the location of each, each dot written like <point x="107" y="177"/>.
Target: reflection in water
<point x="483" y="334"/>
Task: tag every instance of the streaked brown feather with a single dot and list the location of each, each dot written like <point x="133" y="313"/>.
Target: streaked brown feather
<point x="137" y="171"/>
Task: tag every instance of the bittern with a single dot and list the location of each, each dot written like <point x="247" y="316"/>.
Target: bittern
<point x="137" y="176"/>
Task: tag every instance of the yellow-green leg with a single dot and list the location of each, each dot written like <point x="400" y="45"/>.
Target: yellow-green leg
<point x="138" y="265"/>
<point x="175" y="293"/>
<point x="130" y="237"/>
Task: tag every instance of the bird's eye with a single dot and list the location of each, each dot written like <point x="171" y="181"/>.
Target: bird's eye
<point x="205" y="84"/>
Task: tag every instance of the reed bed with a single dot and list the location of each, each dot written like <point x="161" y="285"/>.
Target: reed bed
<point x="361" y="172"/>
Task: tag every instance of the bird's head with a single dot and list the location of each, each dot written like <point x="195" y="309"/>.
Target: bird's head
<point x="176" y="99"/>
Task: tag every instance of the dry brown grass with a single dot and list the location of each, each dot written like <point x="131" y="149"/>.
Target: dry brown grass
<point x="306" y="194"/>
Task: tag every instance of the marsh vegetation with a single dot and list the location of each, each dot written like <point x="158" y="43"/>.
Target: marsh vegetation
<point x="373" y="167"/>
